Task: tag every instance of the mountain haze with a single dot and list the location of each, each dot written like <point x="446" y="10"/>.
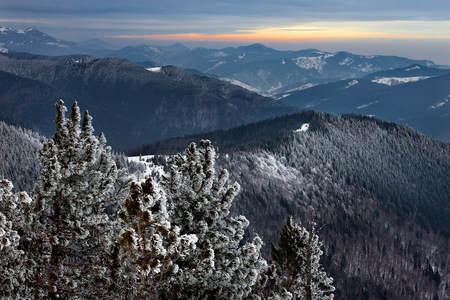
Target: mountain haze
<point x="261" y="68"/>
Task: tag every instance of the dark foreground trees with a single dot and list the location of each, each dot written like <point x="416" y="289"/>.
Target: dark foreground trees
<point x="174" y="240"/>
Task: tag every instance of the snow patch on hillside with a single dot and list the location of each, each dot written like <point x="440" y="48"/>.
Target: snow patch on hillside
<point x="304" y="128"/>
<point x="351" y="83"/>
<point x="219" y="54"/>
<point x="275" y="87"/>
<point x="2" y="49"/>
<point x="367" y="68"/>
<point x="347" y="62"/>
<point x="390" y="81"/>
<point x="365" y="105"/>
<point x="58" y="45"/>
<point x="413" y="68"/>
<point x="154" y="69"/>
<point x="216" y="66"/>
<point x="303" y="87"/>
<point x="152" y="49"/>
<point x="440" y="103"/>
<point x="245" y="86"/>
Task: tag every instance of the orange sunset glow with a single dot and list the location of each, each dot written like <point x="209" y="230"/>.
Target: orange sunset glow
<point x="386" y="30"/>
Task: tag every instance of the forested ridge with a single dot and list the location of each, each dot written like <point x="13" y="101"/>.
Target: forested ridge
<point x="380" y="191"/>
<point x="129" y="103"/>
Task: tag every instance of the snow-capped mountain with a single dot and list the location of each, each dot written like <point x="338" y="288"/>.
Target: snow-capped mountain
<point x="411" y="73"/>
<point x="272" y="71"/>
<point x="34" y="41"/>
<point x="256" y="66"/>
<point x="421" y="101"/>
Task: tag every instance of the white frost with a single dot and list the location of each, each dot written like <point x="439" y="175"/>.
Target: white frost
<point x="150" y="168"/>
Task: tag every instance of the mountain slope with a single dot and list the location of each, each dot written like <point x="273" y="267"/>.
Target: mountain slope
<point x="132" y="105"/>
<point x="28" y="103"/>
<point x="269" y="70"/>
<point x="19" y="160"/>
<point x="264" y="69"/>
<point x="422" y="105"/>
<point x="380" y="191"/>
<point x="34" y="41"/>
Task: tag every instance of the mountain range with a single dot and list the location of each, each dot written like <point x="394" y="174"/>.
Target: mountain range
<point x="257" y="67"/>
<point x="130" y="104"/>
<point x="416" y="96"/>
<point x="398" y="89"/>
<point x="380" y="191"/>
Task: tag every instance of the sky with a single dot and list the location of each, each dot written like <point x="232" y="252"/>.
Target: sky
<point x="418" y="29"/>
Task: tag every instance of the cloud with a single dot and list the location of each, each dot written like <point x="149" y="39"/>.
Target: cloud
<point x="320" y="30"/>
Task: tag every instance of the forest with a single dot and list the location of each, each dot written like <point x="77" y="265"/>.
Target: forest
<point x="378" y="191"/>
<point x="88" y="231"/>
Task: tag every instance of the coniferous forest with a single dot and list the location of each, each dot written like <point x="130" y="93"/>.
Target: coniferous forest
<point x="88" y="231"/>
<point x="347" y="206"/>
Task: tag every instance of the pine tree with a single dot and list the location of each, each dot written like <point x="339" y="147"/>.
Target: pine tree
<point x="150" y="244"/>
<point x="198" y="203"/>
<point x="295" y="272"/>
<point x="14" y="219"/>
<point x="77" y="198"/>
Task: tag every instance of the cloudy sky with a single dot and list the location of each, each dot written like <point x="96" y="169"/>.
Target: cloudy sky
<point x="413" y="28"/>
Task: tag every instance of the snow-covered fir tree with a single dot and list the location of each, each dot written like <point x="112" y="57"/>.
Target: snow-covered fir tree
<point x="198" y="203"/>
<point x="295" y="271"/>
<point x="77" y="199"/>
<point x="150" y="244"/>
<point x="14" y="218"/>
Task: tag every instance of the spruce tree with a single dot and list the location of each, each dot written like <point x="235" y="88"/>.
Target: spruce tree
<point x="77" y="199"/>
<point x="198" y="203"/>
<point x="295" y="271"/>
<point x="14" y="220"/>
<point x="150" y="244"/>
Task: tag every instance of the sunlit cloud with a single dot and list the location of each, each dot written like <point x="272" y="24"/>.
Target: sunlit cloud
<point x="337" y="30"/>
